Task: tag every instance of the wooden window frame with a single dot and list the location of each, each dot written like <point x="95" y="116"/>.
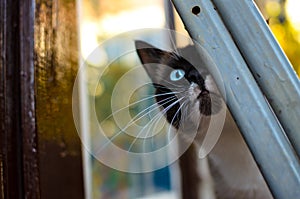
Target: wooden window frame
<point x="19" y="170"/>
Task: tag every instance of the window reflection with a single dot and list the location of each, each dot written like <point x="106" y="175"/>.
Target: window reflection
<point x="111" y="59"/>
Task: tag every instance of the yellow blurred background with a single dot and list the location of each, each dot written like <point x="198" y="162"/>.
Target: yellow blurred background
<point x="104" y="19"/>
<point x="284" y="21"/>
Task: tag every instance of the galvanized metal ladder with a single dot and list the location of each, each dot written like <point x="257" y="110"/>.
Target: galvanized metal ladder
<point x="261" y="88"/>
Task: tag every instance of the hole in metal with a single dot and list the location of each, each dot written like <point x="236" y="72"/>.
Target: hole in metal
<point x="196" y="10"/>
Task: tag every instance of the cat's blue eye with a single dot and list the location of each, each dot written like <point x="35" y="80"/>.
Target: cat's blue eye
<point x="177" y="74"/>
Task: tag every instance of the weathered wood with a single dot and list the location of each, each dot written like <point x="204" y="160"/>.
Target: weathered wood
<point x="31" y="176"/>
<point x="18" y="153"/>
<point x="56" y="64"/>
<point x="32" y="166"/>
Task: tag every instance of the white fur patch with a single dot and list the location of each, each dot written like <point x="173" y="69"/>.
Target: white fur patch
<point x="210" y="84"/>
<point x="194" y="91"/>
<point x="194" y="112"/>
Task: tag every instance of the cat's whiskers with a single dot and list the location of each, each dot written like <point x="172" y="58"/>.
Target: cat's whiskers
<point x="167" y="109"/>
<point x="153" y="122"/>
<point x="167" y="87"/>
<point x="154" y="119"/>
<point x="173" y="84"/>
<point x="171" y="123"/>
<point x="138" y="117"/>
<point x="164" y="110"/>
<point x="133" y="120"/>
<point x="139" y="101"/>
<point x="148" y="110"/>
<point x="176" y="86"/>
<point x="162" y="115"/>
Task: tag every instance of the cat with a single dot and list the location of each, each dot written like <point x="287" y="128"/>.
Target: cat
<point x="229" y="170"/>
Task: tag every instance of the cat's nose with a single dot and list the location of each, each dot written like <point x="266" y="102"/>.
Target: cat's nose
<point x="195" y="89"/>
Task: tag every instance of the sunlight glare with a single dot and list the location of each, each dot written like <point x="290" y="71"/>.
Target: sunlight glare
<point x="293" y="7"/>
<point x="90" y="49"/>
<point x="133" y="19"/>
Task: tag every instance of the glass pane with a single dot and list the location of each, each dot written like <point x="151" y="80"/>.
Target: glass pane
<point x="110" y="85"/>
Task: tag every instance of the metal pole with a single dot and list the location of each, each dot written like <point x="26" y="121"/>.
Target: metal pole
<point x="264" y="136"/>
<point x="266" y="60"/>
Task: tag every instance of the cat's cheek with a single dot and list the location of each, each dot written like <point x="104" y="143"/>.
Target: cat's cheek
<point x="210" y="84"/>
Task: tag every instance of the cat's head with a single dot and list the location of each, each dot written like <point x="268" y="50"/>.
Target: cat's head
<point x="181" y="90"/>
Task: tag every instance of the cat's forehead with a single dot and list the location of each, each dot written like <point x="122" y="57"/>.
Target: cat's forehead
<point x="178" y="62"/>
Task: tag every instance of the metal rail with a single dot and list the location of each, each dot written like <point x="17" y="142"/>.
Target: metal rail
<point x="269" y="65"/>
<point x="256" y="120"/>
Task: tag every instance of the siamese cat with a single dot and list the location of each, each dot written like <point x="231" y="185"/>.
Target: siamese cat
<point x="229" y="170"/>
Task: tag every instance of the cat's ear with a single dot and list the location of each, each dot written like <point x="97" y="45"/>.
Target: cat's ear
<point x="147" y="53"/>
<point x="151" y="57"/>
